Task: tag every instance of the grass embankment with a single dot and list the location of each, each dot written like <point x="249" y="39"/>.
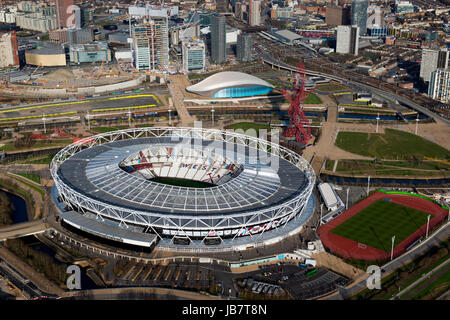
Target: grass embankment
<point x="313" y="99"/>
<point x="376" y="224"/>
<point x="331" y="87"/>
<point x="6" y="211"/>
<point x="108" y="129"/>
<point x="406" y="275"/>
<point x="37" y="145"/>
<point x="31" y="176"/>
<point x="394" y="144"/>
<point x="390" y="168"/>
<point x="41" y="192"/>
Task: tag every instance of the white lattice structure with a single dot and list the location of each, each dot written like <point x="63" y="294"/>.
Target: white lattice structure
<point x="268" y="186"/>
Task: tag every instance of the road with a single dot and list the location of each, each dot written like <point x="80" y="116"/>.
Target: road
<point x="443" y="267"/>
<point x="22" y="229"/>
<point x="267" y="58"/>
<point x="439" y="236"/>
<point x="138" y="293"/>
<point x="83" y="105"/>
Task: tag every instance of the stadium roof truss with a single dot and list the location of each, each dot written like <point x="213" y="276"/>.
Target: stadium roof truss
<point x="126" y="216"/>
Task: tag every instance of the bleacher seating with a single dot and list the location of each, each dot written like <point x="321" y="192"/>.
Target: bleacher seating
<point x="183" y="163"/>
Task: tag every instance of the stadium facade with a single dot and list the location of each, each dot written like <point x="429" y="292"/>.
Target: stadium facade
<point x="231" y="84"/>
<point x="105" y="185"/>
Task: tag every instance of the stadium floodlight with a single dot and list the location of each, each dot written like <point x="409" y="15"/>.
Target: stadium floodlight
<point x="378" y="118"/>
<point x="392" y="250"/>
<point x="170" y="119"/>
<point x="43" y="120"/>
<point x="417" y="123"/>
<point x="428" y="224"/>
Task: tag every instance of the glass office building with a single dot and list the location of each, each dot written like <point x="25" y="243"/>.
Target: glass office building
<point x="359" y="15"/>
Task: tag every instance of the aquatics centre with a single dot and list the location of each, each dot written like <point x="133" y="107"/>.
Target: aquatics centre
<point x="231" y="84"/>
<point x="185" y="188"/>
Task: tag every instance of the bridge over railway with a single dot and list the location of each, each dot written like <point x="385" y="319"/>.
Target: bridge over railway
<point x="387" y="95"/>
<point x="23" y="229"/>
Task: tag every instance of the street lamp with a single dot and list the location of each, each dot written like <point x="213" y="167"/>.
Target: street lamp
<point x="43" y="119"/>
<point x="417" y="123"/>
<point x="378" y="118"/>
<point x="392" y="250"/>
<point x="368" y="185"/>
<point x="170" y="121"/>
<point x="212" y="115"/>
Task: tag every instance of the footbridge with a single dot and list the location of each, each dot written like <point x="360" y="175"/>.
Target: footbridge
<point x="23" y="229"/>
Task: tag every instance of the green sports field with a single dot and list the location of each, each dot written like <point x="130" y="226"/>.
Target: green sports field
<point x="375" y="225"/>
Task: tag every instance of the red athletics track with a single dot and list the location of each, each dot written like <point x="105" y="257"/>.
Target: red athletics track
<point x="351" y="249"/>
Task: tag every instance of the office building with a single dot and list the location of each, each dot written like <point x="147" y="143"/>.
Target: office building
<point x="254" y="13"/>
<point x="347" y="40"/>
<point x="193" y="55"/>
<point x="337" y="16"/>
<point x="218" y="39"/>
<point x="9" y="53"/>
<point x="151" y="44"/>
<point x="98" y="52"/>
<point x="359" y="15"/>
<point x="432" y="60"/>
<point x="439" y="86"/>
<point x="65" y="13"/>
<point x="244" y="47"/>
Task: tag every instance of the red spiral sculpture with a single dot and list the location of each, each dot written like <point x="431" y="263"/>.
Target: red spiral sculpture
<point x="298" y="124"/>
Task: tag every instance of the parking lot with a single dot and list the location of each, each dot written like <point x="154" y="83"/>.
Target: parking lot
<point x="300" y="283"/>
<point x="172" y="275"/>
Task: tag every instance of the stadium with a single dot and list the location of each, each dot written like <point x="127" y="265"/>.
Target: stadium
<point x="385" y="223"/>
<point x="183" y="188"/>
<point x="231" y="84"/>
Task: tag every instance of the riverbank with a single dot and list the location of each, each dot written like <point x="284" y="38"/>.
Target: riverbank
<point x="7" y="210"/>
<point x="33" y="198"/>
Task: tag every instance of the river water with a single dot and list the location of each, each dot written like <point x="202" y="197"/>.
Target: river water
<point x="21" y="215"/>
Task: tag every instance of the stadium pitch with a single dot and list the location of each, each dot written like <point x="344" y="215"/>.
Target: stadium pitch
<point x="376" y="224"/>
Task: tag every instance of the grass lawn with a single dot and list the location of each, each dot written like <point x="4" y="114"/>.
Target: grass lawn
<point x="182" y="182"/>
<point x="249" y="125"/>
<point x="400" y="168"/>
<point x="376" y="224"/>
<point x="330" y="87"/>
<point x="31" y="176"/>
<point x="312" y="99"/>
<point x="107" y="129"/>
<point x="394" y="144"/>
<point x="440" y="285"/>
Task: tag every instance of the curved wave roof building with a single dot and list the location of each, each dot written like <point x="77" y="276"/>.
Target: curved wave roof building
<point x="231" y="84"/>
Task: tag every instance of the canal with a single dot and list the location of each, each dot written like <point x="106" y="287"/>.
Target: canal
<point x="21" y="215"/>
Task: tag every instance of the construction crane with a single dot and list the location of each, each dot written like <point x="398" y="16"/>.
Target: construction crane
<point x="299" y="125"/>
<point x="99" y="71"/>
<point x="40" y="65"/>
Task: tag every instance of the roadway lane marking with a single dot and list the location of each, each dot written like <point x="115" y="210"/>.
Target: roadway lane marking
<point x="78" y="102"/>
